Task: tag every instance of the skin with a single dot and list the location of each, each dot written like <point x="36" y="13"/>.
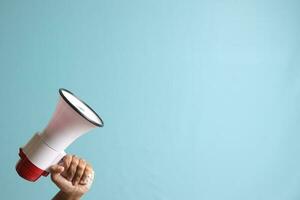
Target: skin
<point x="73" y="176"/>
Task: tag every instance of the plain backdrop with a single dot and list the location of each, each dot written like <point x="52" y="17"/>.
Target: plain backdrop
<point x="200" y="98"/>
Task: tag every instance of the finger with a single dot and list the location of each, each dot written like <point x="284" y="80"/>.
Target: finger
<point x="66" y="162"/>
<point x="89" y="180"/>
<point x="56" y="169"/>
<point x="72" y="169"/>
<point x="88" y="175"/>
<point x="56" y="177"/>
<point x="79" y="171"/>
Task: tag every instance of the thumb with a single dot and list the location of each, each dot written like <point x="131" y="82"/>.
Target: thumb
<point x="56" y="177"/>
<point x="56" y="169"/>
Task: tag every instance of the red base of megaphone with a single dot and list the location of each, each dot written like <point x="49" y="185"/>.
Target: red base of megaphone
<point x="27" y="170"/>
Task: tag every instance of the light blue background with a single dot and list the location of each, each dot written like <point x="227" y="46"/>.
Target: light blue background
<point x="200" y="99"/>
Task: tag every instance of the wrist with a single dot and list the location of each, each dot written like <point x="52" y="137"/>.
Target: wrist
<point x="66" y="196"/>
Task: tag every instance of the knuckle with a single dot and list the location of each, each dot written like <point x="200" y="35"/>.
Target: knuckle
<point x="82" y="164"/>
<point x="72" y="171"/>
<point x="80" y="169"/>
<point x="74" y="163"/>
<point x="82" y="161"/>
<point x="75" y="159"/>
<point x="73" y="167"/>
<point x="87" y="173"/>
<point x="67" y="160"/>
<point x="67" y="157"/>
<point x="89" y="167"/>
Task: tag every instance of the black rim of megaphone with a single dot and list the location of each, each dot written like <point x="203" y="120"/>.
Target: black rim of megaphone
<point x="77" y="110"/>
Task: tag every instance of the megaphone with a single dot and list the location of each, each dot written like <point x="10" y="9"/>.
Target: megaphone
<point x="71" y="119"/>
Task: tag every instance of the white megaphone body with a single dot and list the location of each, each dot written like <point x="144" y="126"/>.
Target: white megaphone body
<point x="72" y="118"/>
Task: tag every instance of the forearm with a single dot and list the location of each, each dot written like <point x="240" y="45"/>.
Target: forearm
<point x="64" y="196"/>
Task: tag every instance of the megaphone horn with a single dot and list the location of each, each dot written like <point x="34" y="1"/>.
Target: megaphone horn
<point x="71" y="119"/>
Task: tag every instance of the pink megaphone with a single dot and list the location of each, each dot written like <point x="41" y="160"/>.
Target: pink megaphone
<point x="71" y="119"/>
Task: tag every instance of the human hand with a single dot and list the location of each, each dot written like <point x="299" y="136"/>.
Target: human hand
<point x="73" y="176"/>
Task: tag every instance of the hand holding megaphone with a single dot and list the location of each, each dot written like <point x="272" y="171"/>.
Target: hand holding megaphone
<point x="72" y="118"/>
<point x="73" y="176"/>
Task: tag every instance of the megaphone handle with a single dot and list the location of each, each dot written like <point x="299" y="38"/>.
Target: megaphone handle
<point x="57" y="159"/>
